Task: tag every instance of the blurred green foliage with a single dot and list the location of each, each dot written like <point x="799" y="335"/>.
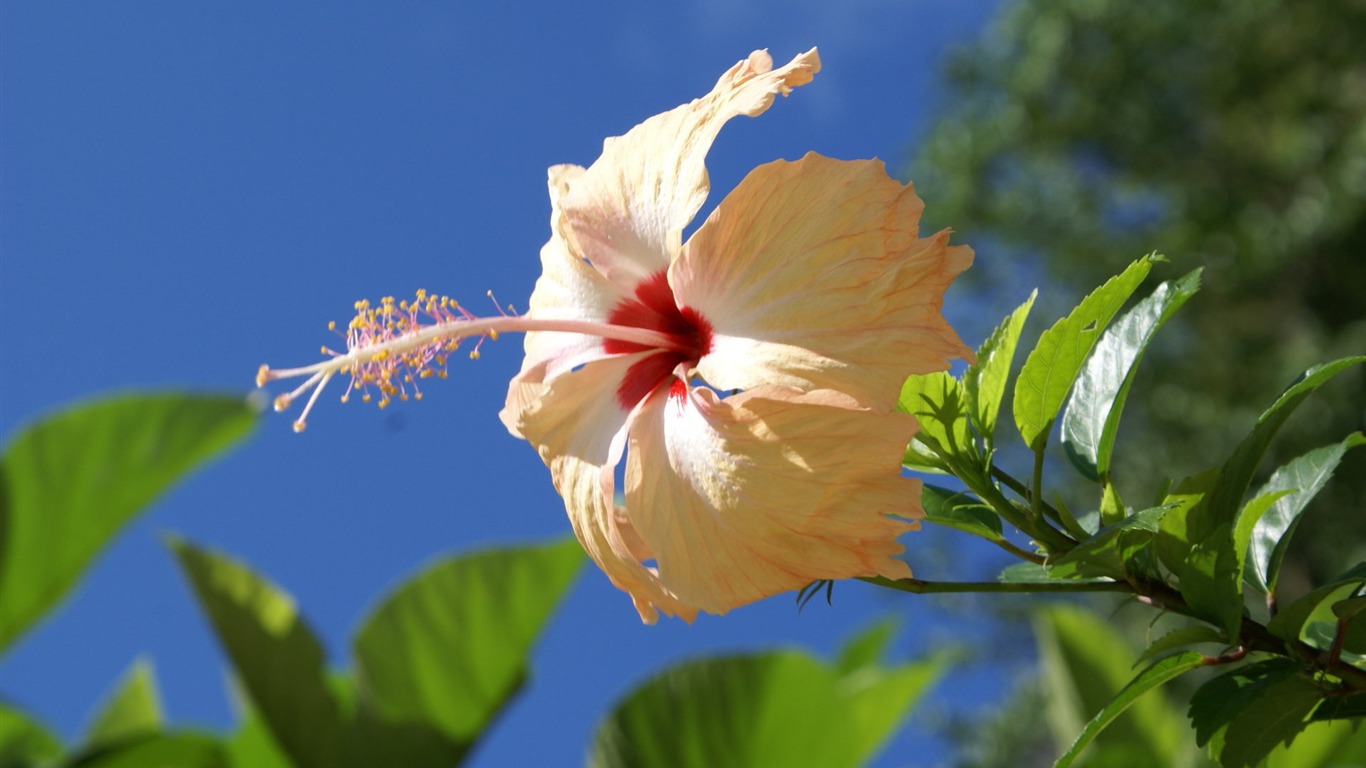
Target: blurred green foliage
<point x="1229" y="134"/>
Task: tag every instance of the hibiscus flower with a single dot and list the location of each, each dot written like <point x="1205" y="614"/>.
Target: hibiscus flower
<point x="761" y="450"/>
<point x="746" y="378"/>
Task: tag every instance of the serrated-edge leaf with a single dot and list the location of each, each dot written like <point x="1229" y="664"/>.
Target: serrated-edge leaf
<point x="1150" y="678"/>
<point x="936" y="400"/>
<point x="71" y="481"/>
<point x="1180" y="638"/>
<point x="1053" y="365"/>
<point x="1306" y="475"/>
<point x="961" y="511"/>
<point x="134" y="708"/>
<point x="1290" y="620"/>
<point x="985" y="380"/>
<point x="1091" y="420"/>
<point x="277" y="657"/>
<point x="1107" y="552"/>
<point x="1274" y="717"/>
<point x="1218" y="700"/>
<point x="1235" y="475"/>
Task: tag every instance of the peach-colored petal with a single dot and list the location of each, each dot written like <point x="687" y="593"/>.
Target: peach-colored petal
<point x="568" y="289"/>
<point x="765" y="492"/>
<point x="625" y="214"/>
<point x="812" y="275"/>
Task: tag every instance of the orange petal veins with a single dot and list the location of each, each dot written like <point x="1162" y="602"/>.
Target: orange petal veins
<point x="765" y="492"/>
<point x="812" y="275"/>
<point x="625" y="214"/>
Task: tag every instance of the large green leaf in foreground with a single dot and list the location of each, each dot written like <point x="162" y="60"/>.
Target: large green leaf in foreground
<point x="68" y="483"/>
<point x="774" y="709"/>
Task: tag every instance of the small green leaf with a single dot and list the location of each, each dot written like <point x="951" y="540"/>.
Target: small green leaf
<point x="985" y="380"/>
<point x="937" y="401"/>
<point x="278" y="658"/>
<point x="1150" y="678"/>
<point x="23" y="740"/>
<point x="1236" y="474"/>
<point x="1173" y="534"/>
<point x="451" y="647"/>
<point x="1110" y="551"/>
<point x="133" y="710"/>
<point x="1180" y="638"/>
<point x="1289" y="622"/>
<point x="1091" y="421"/>
<point x="1306" y="476"/>
<point x="1350" y="707"/>
<point x="69" y="482"/>
<point x="252" y="746"/>
<point x="960" y="511"/>
<point x="866" y="648"/>
<point x="1051" y="368"/>
<point x="1212" y="578"/>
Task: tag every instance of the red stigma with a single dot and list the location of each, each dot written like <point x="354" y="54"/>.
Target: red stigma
<point x="654" y="308"/>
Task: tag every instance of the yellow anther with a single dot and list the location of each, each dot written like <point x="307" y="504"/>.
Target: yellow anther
<point x="262" y="375"/>
<point x="493" y="335"/>
<point x="331" y="325"/>
<point x="474" y="354"/>
<point x="282" y="402"/>
<point x="417" y="396"/>
<point x="299" y="425"/>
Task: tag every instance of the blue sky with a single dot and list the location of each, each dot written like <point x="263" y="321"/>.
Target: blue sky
<point x="188" y="190"/>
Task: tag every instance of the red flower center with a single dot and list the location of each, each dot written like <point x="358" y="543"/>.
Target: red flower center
<point x="654" y="308"/>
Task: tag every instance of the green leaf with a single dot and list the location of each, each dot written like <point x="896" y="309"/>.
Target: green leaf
<point x="1110" y="551"/>
<point x="1051" y="368"/>
<point x="1085" y="663"/>
<point x="1274" y="716"/>
<point x="938" y="402"/>
<point x="960" y="511"/>
<point x="69" y="482"/>
<point x="866" y="648"/>
<point x="773" y="709"/>
<point x="1150" y="678"/>
<point x="985" y="380"/>
<point x="156" y="750"/>
<point x="252" y="746"/>
<point x="1091" y="421"/>
<point x="278" y="658"/>
<point x="450" y="648"/>
<point x="1180" y="638"/>
<point x="1219" y="700"/>
<point x="1212" y="579"/>
<point x="1236" y="474"/>
<point x="23" y="740"/>
<point x="1173" y="534"/>
<point x="1322" y="744"/>
<point x="1306" y="476"/>
<point x="1032" y="573"/>
<point x="133" y="710"/>
<point x="1289" y="622"/>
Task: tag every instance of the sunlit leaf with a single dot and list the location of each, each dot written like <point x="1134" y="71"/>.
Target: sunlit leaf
<point x="277" y="657"/>
<point x="23" y="740"/>
<point x="773" y="709"/>
<point x="1273" y="717"/>
<point x="866" y="648"/>
<point x="155" y="750"/>
<point x="1212" y="579"/>
<point x="1150" y="678"/>
<point x="133" y="709"/>
<point x="985" y="380"/>
<point x="1111" y="549"/>
<point x="1289" y="621"/>
<point x="450" y="647"/>
<point x="1322" y="744"/>
<point x="69" y="482"/>
<point x="960" y="511"/>
<point x="1306" y="476"/>
<point x="1235" y="476"/>
<point x="1051" y="368"/>
<point x="938" y="402"/>
<point x="1091" y="421"/>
